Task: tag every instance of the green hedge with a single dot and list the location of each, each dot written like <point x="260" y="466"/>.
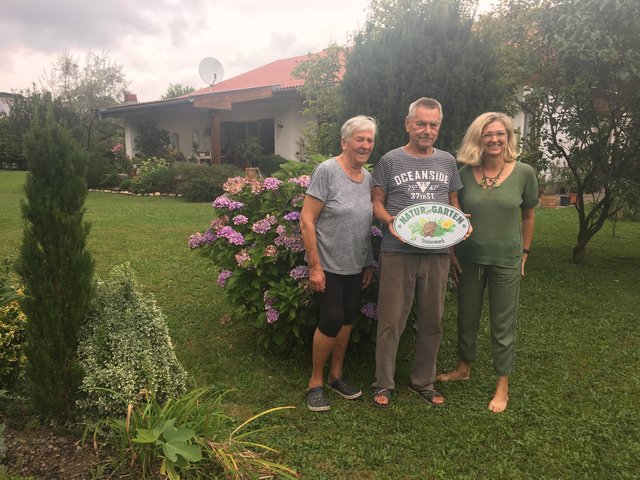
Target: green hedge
<point x="202" y="183"/>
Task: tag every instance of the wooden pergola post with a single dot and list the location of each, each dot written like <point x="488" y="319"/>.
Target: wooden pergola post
<point x="216" y="147"/>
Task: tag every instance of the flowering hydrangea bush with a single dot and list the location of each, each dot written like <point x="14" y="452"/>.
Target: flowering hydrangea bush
<point x="255" y="242"/>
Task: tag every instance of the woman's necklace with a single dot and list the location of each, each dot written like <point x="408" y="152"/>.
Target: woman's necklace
<point x="490" y="182"/>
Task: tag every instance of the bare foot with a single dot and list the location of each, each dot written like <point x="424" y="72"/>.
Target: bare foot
<point x="498" y="405"/>
<point x="381" y="400"/>
<point x="462" y="372"/>
<point x="500" y="399"/>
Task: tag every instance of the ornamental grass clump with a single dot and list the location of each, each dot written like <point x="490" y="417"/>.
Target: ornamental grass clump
<point x="255" y="242"/>
<point x="125" y="349"/>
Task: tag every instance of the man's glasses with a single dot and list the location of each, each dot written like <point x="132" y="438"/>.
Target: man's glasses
<point x="487" y="137"/>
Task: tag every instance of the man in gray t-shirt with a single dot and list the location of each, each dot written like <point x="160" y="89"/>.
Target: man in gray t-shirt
<point x="414" y="173"/>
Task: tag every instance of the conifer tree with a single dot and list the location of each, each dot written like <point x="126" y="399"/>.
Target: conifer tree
<point x="54" y="264"/>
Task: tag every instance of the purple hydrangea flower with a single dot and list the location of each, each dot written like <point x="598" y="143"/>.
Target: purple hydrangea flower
<point x="292" y="242"/>
<point x="209" y="237"/>
<point x="375" y="231"/>
<point x="225" y="202"/>
<point x="195" y="240"/>
<point x="281" y="230"/>
<point x="301" y="271"/>
<point x="261" y="226"/>
<point x="268" y="303"/>
<point x="231" y="235"/>
<point x="301" y="181"/>
<point x="222" y="277"/>
<point x="272" y="315"/>
<point x="271" y="183"/>
<point x="236" y="239"/>
<point x="240" y="220"/>
<point x="293" y="216"/>
<point x="370" y="310"/>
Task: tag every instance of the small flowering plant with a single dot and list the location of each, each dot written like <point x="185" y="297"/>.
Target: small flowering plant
<point x="254" y="240"/>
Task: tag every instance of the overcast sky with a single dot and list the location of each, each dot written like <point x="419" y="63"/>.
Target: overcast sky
<point x="159" y="42"/>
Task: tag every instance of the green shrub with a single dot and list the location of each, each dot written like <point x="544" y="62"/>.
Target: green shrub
<point x="125" y="348"/>
<point x="187" y="437"/>
<point x="128" y="184"/>
<point x="270" y="164"/>
<point x="156" y="175"/>
<point x="12" y="343"/>
<point x="203" y="183"/>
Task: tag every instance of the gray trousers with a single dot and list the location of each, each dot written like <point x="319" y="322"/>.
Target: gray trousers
<point x="403" y="277"/>
<point x="504" y="293"/>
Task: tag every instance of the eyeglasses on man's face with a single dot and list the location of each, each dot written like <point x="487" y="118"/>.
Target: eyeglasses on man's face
<point x="487" y="137"/>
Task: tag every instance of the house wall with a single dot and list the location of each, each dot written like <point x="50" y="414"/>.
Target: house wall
<point x="288" y="122"/>
<point x="183" y="121"/>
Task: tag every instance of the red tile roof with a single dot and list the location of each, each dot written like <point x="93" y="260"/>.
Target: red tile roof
<point x="276" y="74"/>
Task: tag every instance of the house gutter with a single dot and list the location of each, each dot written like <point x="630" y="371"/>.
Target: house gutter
<point x="141" y="107"/>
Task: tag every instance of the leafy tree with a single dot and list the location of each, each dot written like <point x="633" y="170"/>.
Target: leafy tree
<point x="152" y="141"/>
<point x="27" y="105"/>
<point x="581" y="62"/>
<point x="414" y="48"/>
<point x="55" y="267"/>
<point x="176" y="90"/>
<point x="323" y="99"/>
<point x="85" y="89"/>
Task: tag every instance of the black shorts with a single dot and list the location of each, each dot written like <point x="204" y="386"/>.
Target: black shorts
<point x="339" y="302"/>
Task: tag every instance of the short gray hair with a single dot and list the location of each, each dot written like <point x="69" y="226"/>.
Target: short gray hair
<point x="358" y="124"/>
<point x="425" y="102"/>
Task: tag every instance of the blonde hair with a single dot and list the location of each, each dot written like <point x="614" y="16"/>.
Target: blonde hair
<point x="470" y="151"/>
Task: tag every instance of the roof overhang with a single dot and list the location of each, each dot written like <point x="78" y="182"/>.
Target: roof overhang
<point x="225" y="100"/>
<point x="210" y="101"/>
<point x="142" y="107"/>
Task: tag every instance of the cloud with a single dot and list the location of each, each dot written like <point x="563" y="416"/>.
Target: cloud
<point x="159" y="42"/>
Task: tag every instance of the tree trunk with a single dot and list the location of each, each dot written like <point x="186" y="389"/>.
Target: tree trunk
<point x="579" y="253"/>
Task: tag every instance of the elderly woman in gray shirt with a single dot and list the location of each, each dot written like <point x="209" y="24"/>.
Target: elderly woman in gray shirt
<point x="335" y="221"/>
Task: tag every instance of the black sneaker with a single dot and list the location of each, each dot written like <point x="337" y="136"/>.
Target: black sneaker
<point x="316" y="400"/>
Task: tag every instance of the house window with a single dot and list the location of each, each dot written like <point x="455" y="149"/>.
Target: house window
<point x="233" y="133"/>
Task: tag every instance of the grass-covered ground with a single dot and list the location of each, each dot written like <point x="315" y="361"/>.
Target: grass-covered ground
<point x="574" y="411"/>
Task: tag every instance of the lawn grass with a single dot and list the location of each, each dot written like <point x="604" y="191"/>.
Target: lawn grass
<point x="574" y="411"/>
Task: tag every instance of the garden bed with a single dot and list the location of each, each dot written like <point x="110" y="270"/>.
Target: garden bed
<point x="44" y="454"/>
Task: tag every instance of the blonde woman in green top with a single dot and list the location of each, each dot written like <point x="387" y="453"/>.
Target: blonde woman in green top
<point x="500" y="194"/>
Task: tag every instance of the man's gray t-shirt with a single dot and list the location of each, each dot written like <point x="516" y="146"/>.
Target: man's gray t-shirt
<point x="408" y="180"/>
<point x="344" y="224"/>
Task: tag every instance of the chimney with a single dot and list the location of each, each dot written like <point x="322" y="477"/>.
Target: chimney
<point x="130" y="98"/>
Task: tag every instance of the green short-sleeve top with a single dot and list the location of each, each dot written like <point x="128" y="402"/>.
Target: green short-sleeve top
<point x="496" y="216"/>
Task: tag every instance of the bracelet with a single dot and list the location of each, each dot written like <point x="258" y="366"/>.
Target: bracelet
<point x="525" y="250"/>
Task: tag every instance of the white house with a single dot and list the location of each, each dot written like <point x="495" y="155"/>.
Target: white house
<point x="263" y="103"/>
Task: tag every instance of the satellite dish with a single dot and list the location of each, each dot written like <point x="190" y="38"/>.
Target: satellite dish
<point x="210" y="70"/>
